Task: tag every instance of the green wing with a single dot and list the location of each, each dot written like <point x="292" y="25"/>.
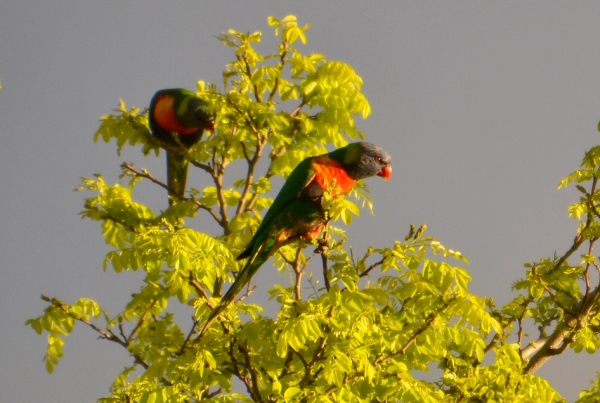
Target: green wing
<point x="298" y="179"/>
<point x="297" y="217"/>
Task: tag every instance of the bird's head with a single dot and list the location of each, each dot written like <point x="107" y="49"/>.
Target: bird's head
<point x="202" y="115"/>
<point x="363" y="160"/>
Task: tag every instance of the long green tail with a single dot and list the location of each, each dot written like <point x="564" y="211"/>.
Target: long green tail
<point x="244" y="276"/>
<point x="177" y="168"/>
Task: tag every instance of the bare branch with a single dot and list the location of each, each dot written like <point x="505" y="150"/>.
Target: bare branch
<point x="533" y="347"/>
<point x="551" y="293"/>
<point x="253" y="375"/>
<point x="206" y="168"/>
<point x="140" y="322"/>
<point x="318" y="353"/>
<point x="249" y="74"/>
<point x="579" y="239"/>
<point x="555" y="344"/>
<point x="217" y="174"/>
<point x="249" y="290"/>
<point x="415" y="335"/>
<point x="122" y="223"/>
<point x="295" y="111"/>
<point x="104" y="334"/>
<point x="299" y="273"/>
<point x="323" y="246"/>
<point x="260" y="144"/>
<point x="325" y="266"/>
<point x="588" y="285"/>
<point x="370" y="268"/>
<point x="202" y="292"/>
<point x="237" y="372"/>
<point x="281" y="64"/>
<point x="150" y="177"/>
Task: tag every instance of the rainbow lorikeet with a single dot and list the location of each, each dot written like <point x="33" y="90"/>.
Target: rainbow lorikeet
<point x="297" y="212"/>
<point x="178" y="118"/>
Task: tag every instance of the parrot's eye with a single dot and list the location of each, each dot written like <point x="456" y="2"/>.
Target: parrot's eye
<point x="378" y="159"/>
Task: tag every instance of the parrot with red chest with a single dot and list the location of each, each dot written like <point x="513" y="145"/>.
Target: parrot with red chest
<point x="178" y="118"/>
<point x="297" y="212"/>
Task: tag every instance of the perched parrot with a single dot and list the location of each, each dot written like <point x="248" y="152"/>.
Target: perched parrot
<point x="177" y="118"/>
<point x="297" y="212"/>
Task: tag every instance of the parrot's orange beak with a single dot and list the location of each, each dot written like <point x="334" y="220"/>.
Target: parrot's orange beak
<point x="386" y="172"/>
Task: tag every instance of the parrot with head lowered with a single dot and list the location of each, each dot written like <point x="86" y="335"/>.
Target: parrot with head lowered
<point x="297" y="212"/>
<point x="178" y="118"/>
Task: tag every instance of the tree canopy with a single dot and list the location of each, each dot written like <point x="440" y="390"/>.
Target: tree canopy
<point x="348" y="328"/>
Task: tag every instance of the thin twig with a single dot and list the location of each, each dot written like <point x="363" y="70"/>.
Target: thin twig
<point x="140" y="322"/>
<point x="299" y="273"/>
<point x="281" y="64"/>
<point x="206" y="168"/>
<point x="253" y="375"/>
<point x="150" y="177"/>
<point x="319" y="351"/>
<point x="260" y="144"/>
<point x="104" y="334"/>
<point x="295" y="111"/>
<point x="520" y="332"/>
<point x="324" y="259"/>
<point x="217" y="174"/>
<point x="202" y="292"/>
<point x="579" y="239"/>
<point x="551" y="293"/>
<point x="249" y="74"/>
<point x="588" y="285"/>
<point x="414" y="337"/>
<point x="370" y="268"/>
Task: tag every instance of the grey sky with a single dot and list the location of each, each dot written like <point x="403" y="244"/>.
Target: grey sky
<point x="483" y="106"/>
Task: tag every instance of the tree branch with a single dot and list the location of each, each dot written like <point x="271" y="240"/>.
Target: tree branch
<point x="249" y="74"/>
<point x="104" y="334"/>
<point x="588" y="285"/>
<point x="260" y="144"/>
<point x="202" y="292"/>
<point x="551" y="293"/>
<point x="206" y="168"/>
<point x="280" y="65"/>
<point x="140" y="322"/>
<point x="520" y="322"/>
<point x="414" y="337"/>
<point x="579" y="239"/>
<point x="370" y="268"/>
<point x="299" y="273"/>
<point x="253" y="375"/>
<point x="318" y="353"/>
<point x="237" y="372"/>
<point x="147" y="175"/>
<point x="217" y="174"/>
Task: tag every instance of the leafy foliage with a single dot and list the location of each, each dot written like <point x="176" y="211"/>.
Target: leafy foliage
<point x="373" y="325"/>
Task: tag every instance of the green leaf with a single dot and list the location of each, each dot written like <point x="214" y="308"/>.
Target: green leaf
<point x="35" y="325"/>
<point x="49" y="367"/>
<point x="292" y="394"/>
